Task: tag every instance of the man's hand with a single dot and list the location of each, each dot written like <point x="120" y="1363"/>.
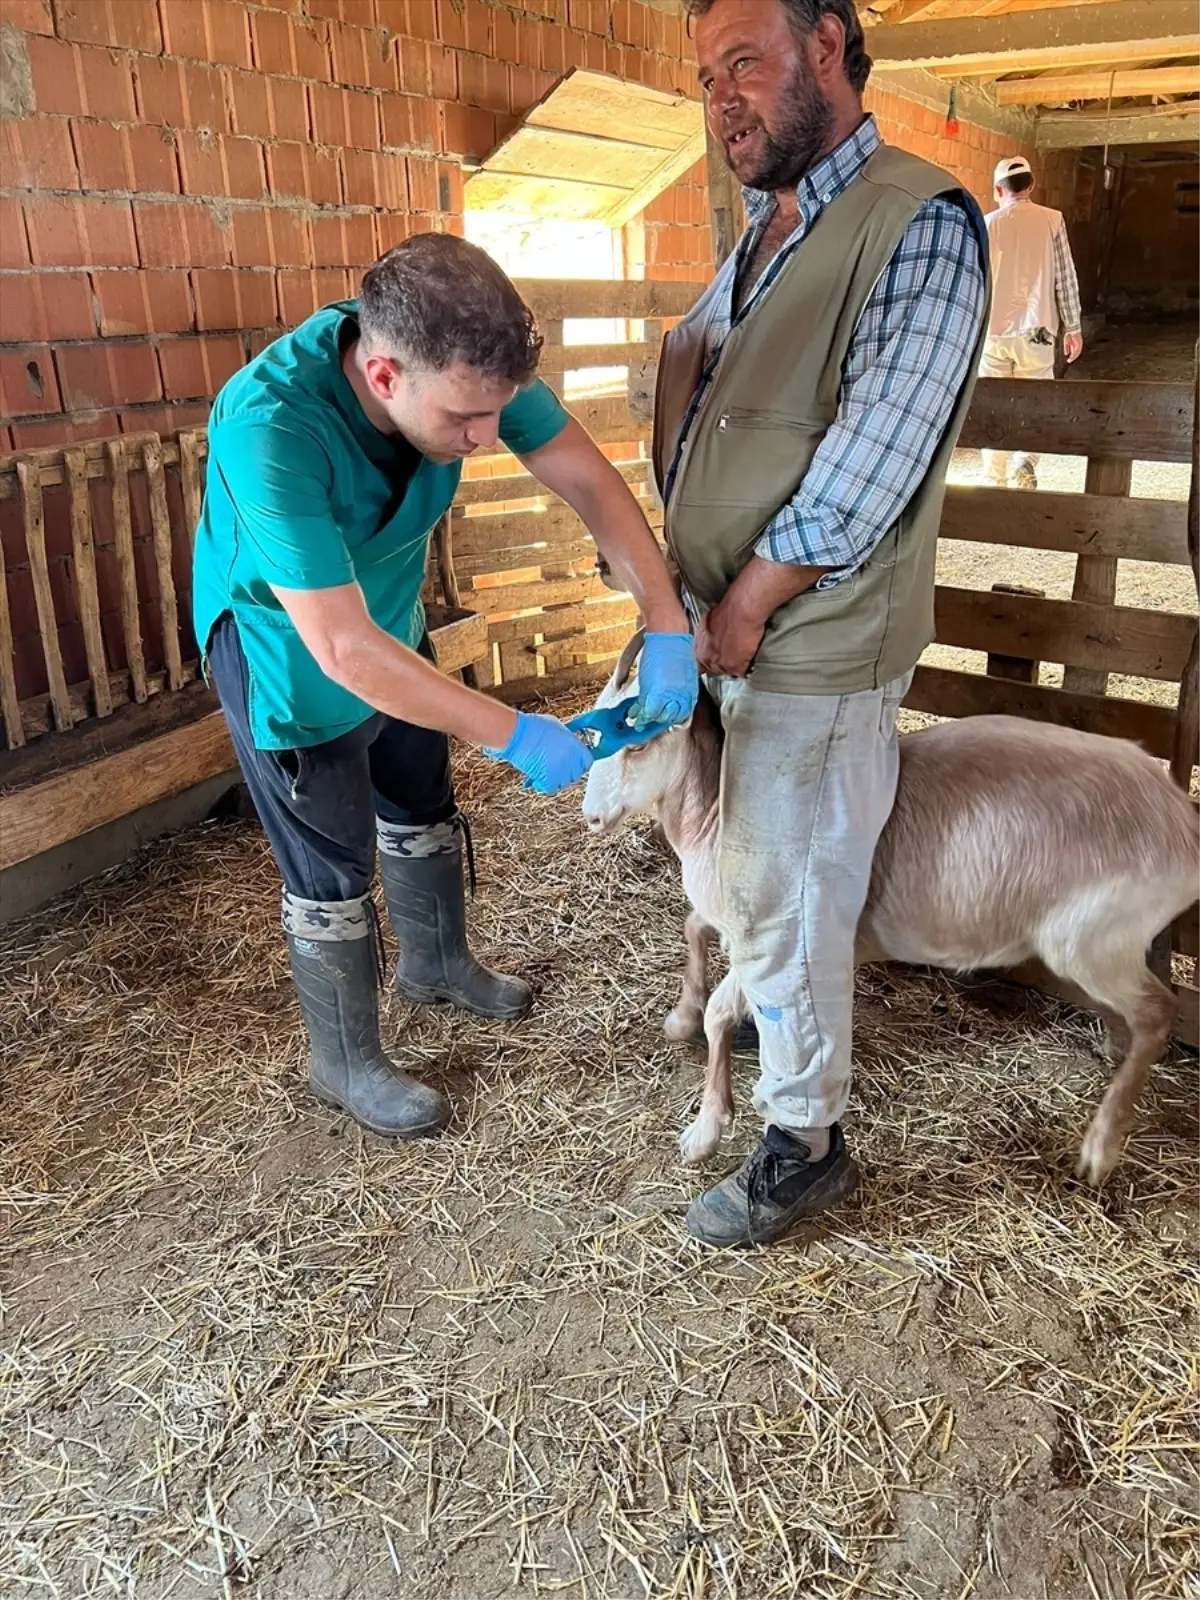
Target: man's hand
<point x="668" y="683"/>
<point x="728" y="640"/>
<point x="1072" y="346"/>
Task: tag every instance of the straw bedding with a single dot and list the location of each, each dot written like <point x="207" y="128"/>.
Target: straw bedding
<point x="247" y="1352"/>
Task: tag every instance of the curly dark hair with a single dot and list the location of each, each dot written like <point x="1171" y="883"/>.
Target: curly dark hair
<point x="803" y="16"/>
<point x="435" y="299"/>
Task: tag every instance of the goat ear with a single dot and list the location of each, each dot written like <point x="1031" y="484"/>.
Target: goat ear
<point x="628" y="656"/>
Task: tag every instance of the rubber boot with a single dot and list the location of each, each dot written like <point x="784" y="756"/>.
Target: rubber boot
<point x="336" y="963"/>
<point x="422" y="873"/>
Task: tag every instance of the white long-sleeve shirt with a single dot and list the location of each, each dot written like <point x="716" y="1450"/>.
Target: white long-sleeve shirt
<point x="1033" y="274"/>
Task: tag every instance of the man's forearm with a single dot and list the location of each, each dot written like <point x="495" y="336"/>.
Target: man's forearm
<point x="615" y="520"/>
<point x="762" y="587"/>
<point x="402" y="684"/>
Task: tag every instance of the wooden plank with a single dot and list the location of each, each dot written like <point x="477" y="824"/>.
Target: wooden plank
<point x="578" y="357"/>
<point x="668" y="171"/>
<point x="34" y="515"/>
<point x="52" y="475"/>
<point x="480" y="536"/>
<point x="87" y="595"/>
<point x="530" y="690"/>
<point x="595" y="297"/>
<point x="37" y="712"/>
<point x="1118" y="32"/>
<point x="1186" y="934"/>
<point x="1017" y="669"/>
<point x="1135" y="421"/>
<point x="527" y="596"/>
<point x="727" y="214"/>
<point x="563" y="199"/>
<point x="127" y="569"/>
<point x="1186" y="748"/>
<point x="191" y="480"/>
<point x="1186" y="1027"/>
<point x="10" y="705"/>
<point x="1076" y="130"/>
<point x="1080" y="524"/>
<point x="1095" y="575"/>
<point x="943" y="692"/>
<point x="524" y="486"/>
<point x="459" y="637"/>
<point x="1141" y="644"/>
<point x="599" y="645"/>
<point x="161" y="522"/>
<point x="1053" y="87"/>
<point x="62" y="808"/>
<point x="608" y="420"/>
<point x="594" y="102"/>
<point x="564" y="621"/>
<point x="533" y="151"/>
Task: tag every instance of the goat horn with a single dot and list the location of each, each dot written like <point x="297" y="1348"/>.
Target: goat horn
<point x="628" y="656"/>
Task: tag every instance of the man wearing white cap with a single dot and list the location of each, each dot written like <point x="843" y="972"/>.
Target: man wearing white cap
<point x="1035" y="291"/>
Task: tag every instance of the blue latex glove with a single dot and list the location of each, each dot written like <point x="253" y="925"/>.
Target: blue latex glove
<point x="668" y="680"/>
<point x="549" y="754"/>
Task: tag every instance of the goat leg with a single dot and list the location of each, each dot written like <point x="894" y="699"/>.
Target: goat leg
<point x="725" y="1010"/>
<point x="686" y="1022"/>
<point x="1148" y="1017"/>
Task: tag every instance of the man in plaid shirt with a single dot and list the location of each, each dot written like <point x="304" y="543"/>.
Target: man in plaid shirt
<point x="834" y="354"/>
<point x="1035" y="292"/>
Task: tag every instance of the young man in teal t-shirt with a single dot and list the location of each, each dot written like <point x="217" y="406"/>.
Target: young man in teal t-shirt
<point x="332" y="456"/>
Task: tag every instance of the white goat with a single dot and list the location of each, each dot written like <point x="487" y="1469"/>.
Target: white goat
<point x="1009" y="840"/>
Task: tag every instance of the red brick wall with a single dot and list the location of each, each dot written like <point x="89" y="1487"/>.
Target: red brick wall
<point x="194" y="174"/>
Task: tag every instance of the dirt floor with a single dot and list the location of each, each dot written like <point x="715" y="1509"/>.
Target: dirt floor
<point x="249" y="1352"/>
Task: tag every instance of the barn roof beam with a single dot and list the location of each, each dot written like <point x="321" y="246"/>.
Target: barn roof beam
<point x="1053" y="87"/>
<point x="1089" y="35"/>
<point x="1072" y="130"/>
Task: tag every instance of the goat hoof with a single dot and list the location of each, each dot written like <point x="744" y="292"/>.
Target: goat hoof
<point x="684" y="1027"/>
<point x="1099" y="1155"/>
<point x="702" y="1138"/>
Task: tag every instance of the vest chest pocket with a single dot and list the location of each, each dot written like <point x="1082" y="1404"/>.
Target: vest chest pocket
<point x="749" y="459"/>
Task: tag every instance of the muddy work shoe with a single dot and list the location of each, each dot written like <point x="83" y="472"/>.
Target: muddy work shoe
<point x="776" y="1188"/>
<point x="334" y="951"/>
<point x="422" y="873"/>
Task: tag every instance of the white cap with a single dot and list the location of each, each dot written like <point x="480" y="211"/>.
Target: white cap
<point x="1009" y="168"/>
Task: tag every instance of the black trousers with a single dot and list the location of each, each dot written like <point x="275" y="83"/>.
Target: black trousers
<point x="318" y="805"/>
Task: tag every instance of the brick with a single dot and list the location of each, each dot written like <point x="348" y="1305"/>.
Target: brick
<point x="93" y="376"/>
<point x="139" y="157"/>
<point x="417" y="18"/>
<point x="375" y="179"/>
<point x="343" y="241"/>
<point x="128" y="24"/>
<point x="483" y="83"/>
<point x="271" y="238"/>
<point x="575" y="49"/>
<point x="450" y="186"/>
<point x="423" y="184"/>
<point x="302" y="293"/>
<point x="80" y="232"/>
<point x="589" y="16"/>
<point x="269" y="108"/>
<point x="182" y="235"/>
<point x="414" y="72"/>
<point x="198" y="366"/>
<point x="207" y="30"/>
<point x="505" y="37"/>
<point x="594" y="53"/>
<point x="60" y="431"/>
<point x="217" y="164"/>
<point x="142" y="302"/>
<point x="36" y="153"/>
<point x="362" y="56"/>
<point x="30" y="16"/>
<point x="552" y="53"/>
<point x="14" y="245"/>
<point x="74" y="80"/>
<point x="452" y="23"/>
<point x="360" y="12"/>
<point x="233" y="299"/>
<point x="344" y="117"/>
<point x="175" y="94"/>
<point x="479" y="20"/>
<point x="391" y="229"/>
<point x="522" y="91"/>
<point x="46" y="305"/>
<point x="306" y="172"/>
<point x="288" y="47"/>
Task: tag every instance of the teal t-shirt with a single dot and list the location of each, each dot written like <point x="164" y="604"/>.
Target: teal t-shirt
<point x="304" y="492"/>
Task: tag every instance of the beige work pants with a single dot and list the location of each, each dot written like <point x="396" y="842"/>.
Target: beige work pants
<point x="807" y="783"/>
<point x="1013" y="357"/>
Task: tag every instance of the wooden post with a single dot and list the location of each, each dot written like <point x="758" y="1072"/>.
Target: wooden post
<point x="1096" y="576"/>
<point x="160" y="519"/>
<point x="1187" y="719"/>
<point x="1017" y="669"/>
<point x="123" y="525"/>
<point x="34" y="514"/>
<point x="10" y="705"/>
<point x="191" y="481"/>
<point x="87" y="595"/>
<point x="443" y="546"/>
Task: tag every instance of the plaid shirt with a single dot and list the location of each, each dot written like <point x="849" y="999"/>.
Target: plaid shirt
<point x="904" y="370"/>
<point x="1066" y="284"/>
